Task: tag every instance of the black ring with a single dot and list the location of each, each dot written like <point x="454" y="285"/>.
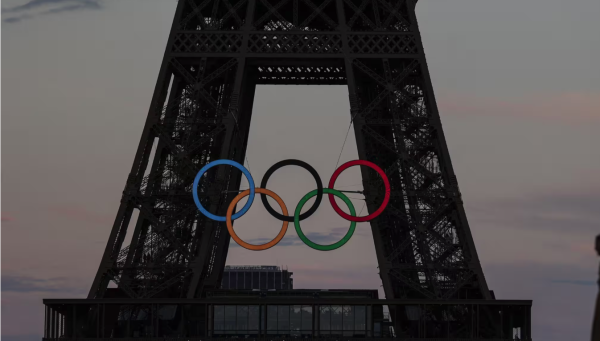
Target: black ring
<point x="291" y="162"/>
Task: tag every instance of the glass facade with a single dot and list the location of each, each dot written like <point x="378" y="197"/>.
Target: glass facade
<point x="291" y="320"/>
<point x="257" y="318"/>
<point x="344" y="320"/>
<point x="236" y="319"/>
<point x="247" y="279"/>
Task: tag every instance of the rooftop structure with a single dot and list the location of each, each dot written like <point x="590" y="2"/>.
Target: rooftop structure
<point x="256" y="277"/>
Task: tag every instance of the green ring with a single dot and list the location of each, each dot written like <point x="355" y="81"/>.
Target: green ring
<point x="313" y="244"/>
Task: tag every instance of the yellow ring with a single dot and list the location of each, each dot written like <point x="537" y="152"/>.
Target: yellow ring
<point x="238" y="239"/>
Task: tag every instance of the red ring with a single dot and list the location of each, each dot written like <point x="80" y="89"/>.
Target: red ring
<point x="386" y="199"/>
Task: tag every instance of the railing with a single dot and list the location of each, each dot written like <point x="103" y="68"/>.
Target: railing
<point x="267" y="339"/>
<point x="56" y="323"/>
<point x="151" y="319"/>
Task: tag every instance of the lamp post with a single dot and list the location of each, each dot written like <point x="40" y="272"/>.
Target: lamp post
<point x="596" y="322"/>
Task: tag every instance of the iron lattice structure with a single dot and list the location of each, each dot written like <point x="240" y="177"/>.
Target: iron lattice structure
<point x="217" y="52"/>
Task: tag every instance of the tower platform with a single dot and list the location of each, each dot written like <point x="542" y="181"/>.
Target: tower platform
<point x="287" y="314"/>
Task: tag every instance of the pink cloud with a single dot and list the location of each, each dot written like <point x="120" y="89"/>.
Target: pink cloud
<point x="80" y="214"/>
<point x="576" y="108"/>
<point x="586" y="249"/>
<point x="7" y="217"/>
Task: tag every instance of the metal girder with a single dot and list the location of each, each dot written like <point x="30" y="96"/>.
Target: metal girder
<point x="403" y="155"/>
<point x="358" y="11"/>
<point x="197" y="11"/>
<point x="232" y="11"/>
<point x="317" y="11"/>
<point x="272" y="11"/>
<point x="163" y="229"/>
<point x="115" y="277"/>
<point x="394" y="12"/>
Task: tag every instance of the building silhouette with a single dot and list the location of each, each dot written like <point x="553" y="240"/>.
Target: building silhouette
<point x="260" y="277"/>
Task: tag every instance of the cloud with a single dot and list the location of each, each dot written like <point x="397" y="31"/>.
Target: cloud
<point x="335" y="235"/>
<point x="559" y="211"/>
<point x="22" y="297"/>
<point x="16" y="19"/>
<point x="74" y="7"/>
<point x="7" y="217"/>
<point x="35" y="4"/>
<point x="586" y="249"/>
<point x="577" y="108"/>
<point x="23" y="284"/>
<point x="43" y="7"/>
<point x="575" y="282"/>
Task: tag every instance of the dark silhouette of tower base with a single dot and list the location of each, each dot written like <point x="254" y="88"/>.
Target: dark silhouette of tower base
<point x="218" y="51"/>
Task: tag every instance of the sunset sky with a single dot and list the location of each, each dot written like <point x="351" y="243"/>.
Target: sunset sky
<point x="518" y="87"/>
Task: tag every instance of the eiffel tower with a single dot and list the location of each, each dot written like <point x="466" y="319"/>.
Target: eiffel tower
<point x="216" y="54"/>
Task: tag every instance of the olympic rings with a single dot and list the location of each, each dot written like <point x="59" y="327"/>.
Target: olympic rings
<point x="386" y="199"/>
<point x="216" y="163"/>
<point x="297" y="217"/>
<point x="291" y="162"/>
<point x="252" y="246"/>
<point x="312" y="244"/>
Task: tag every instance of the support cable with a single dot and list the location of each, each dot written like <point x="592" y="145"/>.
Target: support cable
<point x="239" y="131"/>
<point x="346" y="138"/>
<point x="344" y="144"/>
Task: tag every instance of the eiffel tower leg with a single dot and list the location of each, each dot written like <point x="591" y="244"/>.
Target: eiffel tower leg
<point x="423" y="243"/>
<point x="125" y="211"/>
<point x="215" y="247"/>
<point x="463" y="229"/>
<point x="207" y="117"/>
<point x="242" y="100"/>
<point x="137" y="250"/>
<point x="362" y="152"/>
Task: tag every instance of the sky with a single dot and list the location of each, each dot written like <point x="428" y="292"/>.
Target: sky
<point x="519" y="99"/>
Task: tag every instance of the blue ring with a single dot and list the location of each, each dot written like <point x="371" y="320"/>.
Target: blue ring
<point x="230" y="163"/>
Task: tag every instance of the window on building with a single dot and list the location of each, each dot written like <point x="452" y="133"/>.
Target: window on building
<point x="336" y="319"/>
<point x="360" y="321"/>
<point x="272" y="319"/>
<point x="236" y="320"/>
<point x="347" y="320"/>
<point x="230" y="323"/>
<point x="325" y="319"/>
<point x="271" y="280"/>
<point x="290" y="321"/>
<point x="296" y="319"/>
<point x="233" y="280"/>
<point x="225" y="282"/>
<point x="278" y="281"/>
<point x="263" y="280"/>
<point x="242" y="317"/>
<point x="307" y="318"/>
<point x="219" y="315"/>
<point x="283" y="318"/>
<point x="253" y="319"/>
<point x="248" y="280"/>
